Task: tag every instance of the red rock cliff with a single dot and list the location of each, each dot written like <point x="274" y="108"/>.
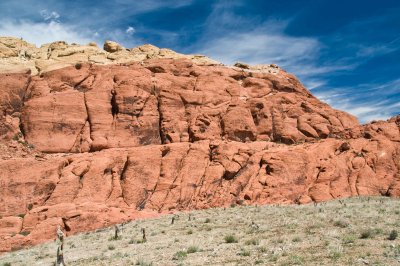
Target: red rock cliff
<point x="89" y="144"/>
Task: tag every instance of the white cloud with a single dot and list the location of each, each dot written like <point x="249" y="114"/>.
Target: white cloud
<point x="78" y="26"/>
<point x="261" y="46"/>
<point x="44" y="32"/>
<point x="366" y="101"/>
<point x="230" y="37"/>
<point x="130" y="30"/>
<point x="46" y="15"/>
<point x="268" y="44"/>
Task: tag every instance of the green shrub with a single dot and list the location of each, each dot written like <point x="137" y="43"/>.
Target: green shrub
<point x="393" y="235"/>
<point x="296" y="239"/>
<point x="180" y="255"/>
<point x="230" y="239"/>
<point x="349" y="239"/>
<point x="368" y="233"/>
<point x="252" y="242"/>
<point x="262" y="249"/>
<point x="207" y="220"/>
<point x="111" y="247"/>
<point x="24" y="233"/>
<point x="140" y="241"/>
<point x="335" y="255"/>
<point x="341" y="223"/>
<point x="244" y="253"/>
<point x="192" y="249"/>
<point x="112" y="238"/>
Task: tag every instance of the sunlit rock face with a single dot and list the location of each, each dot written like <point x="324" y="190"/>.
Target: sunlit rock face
<point x="92" y="137"/>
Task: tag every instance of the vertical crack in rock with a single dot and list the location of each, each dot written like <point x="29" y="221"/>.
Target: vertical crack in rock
<point x="348" y="181"/>
<point x="124" y="168"/>
<point x="122" y="179"/>
<point x="187" y="117"/>
<point x="165" y="150"/>
<point x="78" y="141"/>
<point x="173" y="185"/>
<point x="246" y="166"/>
<point x="211" y="150"/>
<point x="194" y="197"/>
<point x="88" y="119"/>
<point x="321" y="169"/>
<point x="142" y="204"/>
<point x="114" y="104"/>
<point x="61" y="167"/>
<point x="330" y="186"/>
<point x="273" y="116"/>
<point x="108" y="171"/>
<point x="356" y="184"/>
<point x="25" y="88"/>
<point x="160" y="119"/>
<point x="195" y="83"/>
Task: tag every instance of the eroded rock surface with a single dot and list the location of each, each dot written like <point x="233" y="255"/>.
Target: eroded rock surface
<point x="90" y="107"/>
<point x="17" y="55"/>
<point x="93" y="144"/>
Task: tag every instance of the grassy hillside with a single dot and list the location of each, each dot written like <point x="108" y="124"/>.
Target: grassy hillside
<point x="357" y="231"/>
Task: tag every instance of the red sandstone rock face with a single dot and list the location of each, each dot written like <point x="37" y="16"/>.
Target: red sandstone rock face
<point x="137" y="140"/>
<point x="90" y="108"/>
<point x="12" y="91"/>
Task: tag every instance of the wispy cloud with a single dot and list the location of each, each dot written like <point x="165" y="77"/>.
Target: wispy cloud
<point x="130" y="30"/>
<point x="268" y="44"/>
<point x="262" y="46"/>
<point x="230" y="37"/>
<point x="47" y="15"/>
<point x="45" y="22"/>
<point x="366" y="101"/>
<point x="44" y="32"/>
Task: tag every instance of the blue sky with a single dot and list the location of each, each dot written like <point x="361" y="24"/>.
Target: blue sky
<point x="346" y="52"/>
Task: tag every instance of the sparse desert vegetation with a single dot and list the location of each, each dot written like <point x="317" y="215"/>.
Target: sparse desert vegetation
<point x="356" y="231"/>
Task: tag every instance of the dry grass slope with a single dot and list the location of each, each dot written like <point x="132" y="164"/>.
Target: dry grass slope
<point x="356" y="231"/>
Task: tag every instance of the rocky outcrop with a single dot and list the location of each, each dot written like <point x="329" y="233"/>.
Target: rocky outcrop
<point x="16" y="55"/>
<point x="91" y="190"/>
<point x="89" y="107"/>
<point x="90" y="144"/>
